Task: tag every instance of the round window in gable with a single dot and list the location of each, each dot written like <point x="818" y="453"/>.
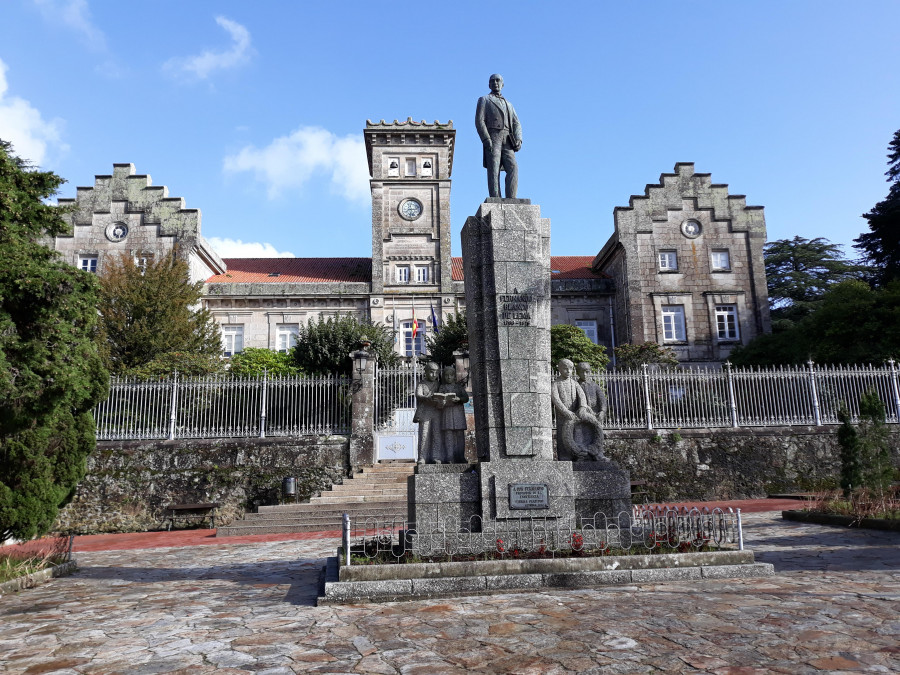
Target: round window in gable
<point x="691" y="229"/>
<point x="116" y="231"/>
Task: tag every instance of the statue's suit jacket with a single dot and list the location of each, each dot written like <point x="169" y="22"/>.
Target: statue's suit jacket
<point x="489" y="114"/>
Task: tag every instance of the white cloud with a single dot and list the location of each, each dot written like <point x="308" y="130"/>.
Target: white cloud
<point x="32" y="137"/>
<point x="202" y="65"/>
<point x="235" y="248"/>
<point x="74" y="14"/>
<point x="289" y="162"/>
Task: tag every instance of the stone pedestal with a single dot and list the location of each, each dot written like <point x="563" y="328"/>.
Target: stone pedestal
<point x="444" y="495"/>
<point x="506" y="257"/>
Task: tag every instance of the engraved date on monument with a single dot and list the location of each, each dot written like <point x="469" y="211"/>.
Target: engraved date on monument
<point x="528" y="496"/>
<point x="514" y="309"/>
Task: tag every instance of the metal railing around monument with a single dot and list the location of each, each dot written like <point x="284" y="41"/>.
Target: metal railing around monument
<point x="743" y="397"/>
<point x="224" y="407"/>
<point x="644" y="530"/>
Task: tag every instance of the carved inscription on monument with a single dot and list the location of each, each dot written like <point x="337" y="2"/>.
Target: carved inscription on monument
<point x="515" y="309"/>
<point x="528" y="496"/>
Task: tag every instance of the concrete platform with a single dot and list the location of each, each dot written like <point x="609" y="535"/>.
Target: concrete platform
<point x="389" y="583"/>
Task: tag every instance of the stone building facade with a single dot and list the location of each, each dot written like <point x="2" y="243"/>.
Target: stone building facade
<point x="687" y="263"/>
<point x="684" y="266"/>
<point x="125" y="214"/>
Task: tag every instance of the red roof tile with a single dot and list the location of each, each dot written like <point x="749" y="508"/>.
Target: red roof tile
<point x="294" y="270"/>
<point x="561" y="266"/>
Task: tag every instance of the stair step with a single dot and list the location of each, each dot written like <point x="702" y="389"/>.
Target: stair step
<point x="396" y="507"/>
<point x="304" y="508"/>
<point x="376" y="494"/>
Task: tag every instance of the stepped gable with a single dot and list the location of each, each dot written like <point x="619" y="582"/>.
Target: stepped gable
<point x="139" y="196"/>
<point x="294" y="270"/>
<point x="561" y="267"/>
<point x="673" y="188"/>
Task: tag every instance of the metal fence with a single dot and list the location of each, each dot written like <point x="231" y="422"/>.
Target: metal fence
<point x="218" y="407"/>
<point x="395" y="396"/>
<point x="643" y="530"/>
<point x="743" y="397"/>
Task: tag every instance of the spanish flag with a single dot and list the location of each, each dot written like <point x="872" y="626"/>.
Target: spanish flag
<point x="415" y="324"/>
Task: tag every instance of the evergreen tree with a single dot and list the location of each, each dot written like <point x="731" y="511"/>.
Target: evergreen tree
<point x="51" y="374"/>
<point x="324" y="346"/>
<point x="453" y="336"/>
<point x="852" y="323"/>
<point x="630" y="356"/>
<point x="881" y="245"/>
<point x="147" y="314"/>
<point x="570" y="342"/>
<point x="865" y="447"/>
<point x="799" y="272"/>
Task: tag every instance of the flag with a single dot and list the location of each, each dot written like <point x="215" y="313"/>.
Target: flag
<point x="415" y="324"/>
<point x="434" y="320"/>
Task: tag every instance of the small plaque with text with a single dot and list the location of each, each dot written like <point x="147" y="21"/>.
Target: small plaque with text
<point x="528" y="496"/>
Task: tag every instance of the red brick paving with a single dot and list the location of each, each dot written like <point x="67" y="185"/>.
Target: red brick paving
<point x="139" y="540"/>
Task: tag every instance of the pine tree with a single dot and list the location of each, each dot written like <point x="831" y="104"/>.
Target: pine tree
<point x="881" y="245"/>
<point x="799" y="272"/>
<point x="51" y="374"/>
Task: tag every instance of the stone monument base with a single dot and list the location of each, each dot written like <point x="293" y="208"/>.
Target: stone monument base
<point x="447" y="496"/>
<point x="443" y="495"/>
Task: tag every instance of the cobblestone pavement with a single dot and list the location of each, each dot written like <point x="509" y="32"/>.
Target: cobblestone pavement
<point x="237" y="608"/>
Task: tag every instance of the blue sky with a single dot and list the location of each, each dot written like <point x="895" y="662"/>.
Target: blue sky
<point x="253" y="112"/>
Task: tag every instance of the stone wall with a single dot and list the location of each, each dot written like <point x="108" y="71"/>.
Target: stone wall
<point x="129" y="483"/>
<point x="731" y="463"/>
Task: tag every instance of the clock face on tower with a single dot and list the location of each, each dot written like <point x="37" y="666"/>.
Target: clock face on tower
<point x="410" y="209"/>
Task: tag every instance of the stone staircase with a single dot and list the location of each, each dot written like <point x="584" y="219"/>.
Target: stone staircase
<point x="378" y="492"/>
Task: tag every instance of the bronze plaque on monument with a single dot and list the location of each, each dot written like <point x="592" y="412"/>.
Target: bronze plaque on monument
<point x="528" y="496"/>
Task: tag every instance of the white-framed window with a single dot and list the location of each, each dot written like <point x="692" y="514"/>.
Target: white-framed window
<point x="421" y="275"/>
<point x="668" y="261"/>
<point x="141" y="260"/>
<point x="720" y="260"/>
<point x="589" y="328"/>
<point x="411" y="167"/>
<point x="727" y="323"/>
<point x="401" y="274"/>
<point x="673" y="323"/>
<point x="286" y="336"/>
<point x="88" y="263"/>
<point x="412" y="346"/>
<point x="232" y="339"/>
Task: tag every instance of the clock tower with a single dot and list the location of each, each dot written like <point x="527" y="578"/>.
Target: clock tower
<point x="410" y="165"/>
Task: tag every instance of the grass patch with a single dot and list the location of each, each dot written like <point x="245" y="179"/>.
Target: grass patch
<point x="20" y="560"/>
<point x="862" y="503"/>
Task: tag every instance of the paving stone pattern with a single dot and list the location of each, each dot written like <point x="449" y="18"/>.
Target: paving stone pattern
<point x="240" y="608"/>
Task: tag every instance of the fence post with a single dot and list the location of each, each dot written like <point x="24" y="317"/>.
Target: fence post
<point x="362" y="422"/>
<point x="815" y="393"/>
<point x="173" y="412"/>
<point x="262" y="404"/>
<point x="731" y="399"/>
<point x="647" y="407"/>
<point x="895" y="387"/>
<point x="345" y="536"/>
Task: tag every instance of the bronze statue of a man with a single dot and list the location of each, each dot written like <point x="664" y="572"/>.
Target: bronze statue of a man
<point x="501" y="135"/>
